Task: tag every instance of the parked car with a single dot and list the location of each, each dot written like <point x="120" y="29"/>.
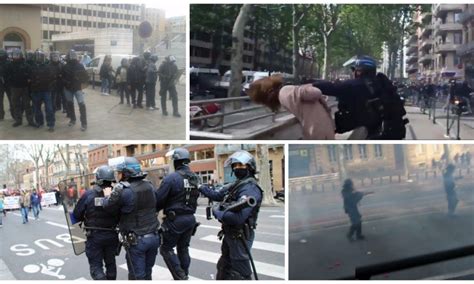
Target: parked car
<point x="93" y="68"/>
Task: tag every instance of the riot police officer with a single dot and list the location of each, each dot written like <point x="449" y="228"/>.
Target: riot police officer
<point x="238" y="228"/>
<point x="41" y="86"/>
<point x="368" y="103"/>
<point x="3" y="83"/>
<point x="449" y="187"/>
<point x="168" y="72"/>
<point x="135" y="199"/>
<point x="351" y="199"/>
<point x="150" y="83"/>
<point x="57" y="90"/>
<point x="102" y="238"/>
<point x="18" y="76"/>
<point x="177" y="196"/>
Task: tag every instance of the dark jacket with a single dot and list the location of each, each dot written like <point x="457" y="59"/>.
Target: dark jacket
<point x="168" y="72"/>
<point x="105" y="71"/>
<point x="18" y="74"/>
<point x="42" y="78"/>
<point x="74" y="75"/>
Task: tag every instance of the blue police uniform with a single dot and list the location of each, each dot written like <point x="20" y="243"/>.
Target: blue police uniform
<point x="101" y="245"/>
<point x="179" y="205"/>
<point x="135" y="200"/>
<point x="234" y="262"/>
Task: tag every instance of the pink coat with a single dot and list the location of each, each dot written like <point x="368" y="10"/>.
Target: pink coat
<point x="307" y="104"/>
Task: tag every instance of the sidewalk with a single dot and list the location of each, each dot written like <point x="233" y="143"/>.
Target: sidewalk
<point x="107" y="120"/>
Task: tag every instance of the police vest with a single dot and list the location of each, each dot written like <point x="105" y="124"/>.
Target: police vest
<point x="232" y="197"/>
<point x="188" y="196"/>
<point x="96" y="216"/>
<point x="142" y="220"/>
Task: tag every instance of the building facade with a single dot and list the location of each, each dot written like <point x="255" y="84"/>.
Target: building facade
<point x="20" y="26"/>
<point x="466" y="51"/>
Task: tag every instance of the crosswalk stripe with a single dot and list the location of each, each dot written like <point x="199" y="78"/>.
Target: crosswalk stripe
<point x="57" y="225"/>
<point x="262" y="267"/>
<point x="277" y="216"/>
<point x="219" y="228"/>
<point x="256" y="244"/>
<point x="159" y="273"/>
<point x="200" y="215"/>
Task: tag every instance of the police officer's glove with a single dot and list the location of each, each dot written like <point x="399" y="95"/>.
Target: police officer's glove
<point x="218" y="214"/>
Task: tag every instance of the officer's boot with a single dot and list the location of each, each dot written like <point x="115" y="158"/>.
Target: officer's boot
<point x="172" y="263"/>
<point x="82" y="111"/>
<point x="71" y="113"/>
<point x="222" y="267"/>
<point x="163" y="103"/>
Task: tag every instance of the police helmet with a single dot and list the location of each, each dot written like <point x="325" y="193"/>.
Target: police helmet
<point x="146" y="54"/>
<point x="178" y="154"/>
<point x="171" y="58"/>
<point x="242" y="157"/>
<point x="17" y="54"/>
<point x="40" y="56"/>
<point x="129" y="167"/>
<point x="364" y="62"/>
<point x="124" y="62"/>
<point x="54" y="56"/>
<point x="30" y="55"/>
<point x="71" y="55"/>
<point x="104" y="173"/>
<point x="154" y="58"/>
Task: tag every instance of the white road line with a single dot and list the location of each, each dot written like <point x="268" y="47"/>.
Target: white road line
<point x="451" y="275"/>
<point x="209" y="227"/>
<point x="199" y="215"/>
<point x="81" y="279"/>
<point x="277" y="216"/>
<point x="57" y="225"/>
<point x="160" y="273"/>
<point x="262" y="267"/>
<point x="256" y="244"/>
<point x="257" y="232"/>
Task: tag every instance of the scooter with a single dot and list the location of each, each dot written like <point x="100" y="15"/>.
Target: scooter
<point x="195" y="111"/>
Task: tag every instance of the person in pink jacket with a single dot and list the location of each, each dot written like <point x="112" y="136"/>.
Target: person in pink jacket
<point x="305" y="102"/>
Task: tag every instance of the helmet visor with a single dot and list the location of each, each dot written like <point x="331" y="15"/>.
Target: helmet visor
<point x="242" y="157"/>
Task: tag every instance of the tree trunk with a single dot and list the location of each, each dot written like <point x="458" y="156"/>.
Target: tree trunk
<point x="264" y="177"/>
<point x="341" y="163"/>
<point x="295" y="32"/>
<point x="236" y="64"/>
<point x="325" y="58"/>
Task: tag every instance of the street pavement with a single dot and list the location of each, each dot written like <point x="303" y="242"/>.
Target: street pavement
<point x="45" y="243"/>
<point x="107" y="120"/>
<point x="400" y="221"/>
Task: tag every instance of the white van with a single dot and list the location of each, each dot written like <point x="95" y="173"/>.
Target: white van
<point x="96" y="63"/>
<point x="247" y="76"/>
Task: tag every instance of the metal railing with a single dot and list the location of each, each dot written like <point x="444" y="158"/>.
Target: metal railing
<point x="225" y="113"/>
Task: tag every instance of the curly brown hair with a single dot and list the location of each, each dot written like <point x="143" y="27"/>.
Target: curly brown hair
<point x="265" y="91"/>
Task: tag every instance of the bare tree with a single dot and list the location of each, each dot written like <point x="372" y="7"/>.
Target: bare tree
<point x="298" y="16"/>
<point x="264" y="177"/>
<point x="83" y="163"/>
<point x="34" y="151"/>
<point x="46" y="156"/>
<point x="65" y="158"/>
<point x="330" y="21"/>
<point x="236" y="63"/>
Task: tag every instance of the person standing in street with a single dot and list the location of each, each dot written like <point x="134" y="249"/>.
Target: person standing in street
<point x="4" y="62"/>
<point x="150" y="83"/>
<point x="238" y="228"/>
<point x="102" y="238"/>
<point x="57" y="94"/>
<point x="25" y="205"/>
<point x="134" y="198"/>
<point x="135" y="81"/>
<point x="168" y="73"/>
<point x="105" y="71"/>
<point x="177" y="196"/>
<point x="74" y="77"/>
<point x="35" y="204"/>
<point x="352" y="198"/>
<point x="449" y="187"/>
<point x="18" y="76"/>
<point x="42" y="80"/>
<point x="121" y="79"/>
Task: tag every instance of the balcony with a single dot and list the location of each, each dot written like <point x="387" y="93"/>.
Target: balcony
<point x="426" y="44"/>
<point x="412" y="59"/>
<point x="447" y="47"/>
<point x="466" y="49"/>
<point x="442" y="9"/>
<point x="427" y="29"/>
<point x="412" y="68"/>
<point x="467" y="15"/>
<point x="412" y="50"/>
<point x="427" y="58"/>
<point x="441" y="29"/>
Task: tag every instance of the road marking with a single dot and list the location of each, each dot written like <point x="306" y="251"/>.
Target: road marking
<point x="262" y="267"/>
<point x="257" y="232"/>
<point x="209" y="227"/>
<point x="57" y="225"/>
<point x="199" y="215"/>
<point x="270" y="210"/>
<point x="451" y="275"/>
<point x="81" y="279"/>
<point x="277" y="216"/>
<point x="160" y="273"/>
<point x="256" y="244"/>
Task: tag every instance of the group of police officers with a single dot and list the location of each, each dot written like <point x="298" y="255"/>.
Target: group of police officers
<point x="33" y="79"/>
<point x="129" y="212"/>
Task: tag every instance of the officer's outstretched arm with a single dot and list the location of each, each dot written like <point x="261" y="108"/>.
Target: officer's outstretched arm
<point x="161" y="194"/>
<point x="113" y="202"/>
<point x="80" y="209"/>
<point x="239" y="217"/>
<point x="214" y="195"/>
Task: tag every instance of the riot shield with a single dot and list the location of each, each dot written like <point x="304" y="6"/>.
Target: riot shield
<point x="77" y="234"/>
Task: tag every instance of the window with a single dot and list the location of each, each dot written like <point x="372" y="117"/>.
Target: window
<point x="332" y="153"/>
<point x="63" y="9"/>
<point x="456" y="60"/>
<point x="348" y="152"/>
<point x="378" y="151"/>
<point x="101" y="14"/>
<point x="45" y="34"/>
<point x="363" y="151"/>
<point x="113" y="43"/>
<point x="94" y="13"/>
<point x="63" y="22"/>
<point x="457" y="38"/>
<point x="79" y="11"/>
<point x="45" y="20"/>
<point x="457" y="17"/>
<point x="101" y="25"/>
<point x="51" y="21"/>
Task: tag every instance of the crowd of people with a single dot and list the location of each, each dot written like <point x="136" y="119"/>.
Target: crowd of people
<point x="137" y="76"/>
<point x="37" y="85"/>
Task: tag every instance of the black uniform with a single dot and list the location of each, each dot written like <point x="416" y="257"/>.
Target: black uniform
<point x="57" y="89"/>
<point x="18" y="74"/>
<point x="73" y="76"/>
<point x="168" y="72"/>
<point x="4" y="88"/>
<point x="101" y="245"/>
<point x="177" y="196"/>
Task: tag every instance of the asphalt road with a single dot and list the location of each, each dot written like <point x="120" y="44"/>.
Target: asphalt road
<point x="45" y="243"/>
